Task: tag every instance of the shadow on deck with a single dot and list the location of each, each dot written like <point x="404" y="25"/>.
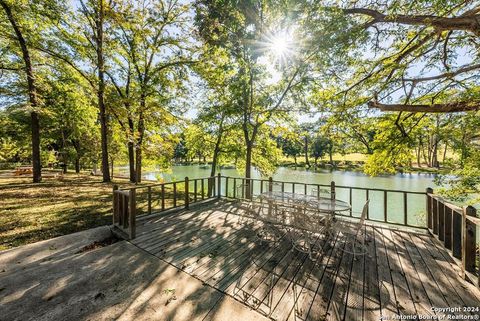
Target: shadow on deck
<point x="404" y="272"/>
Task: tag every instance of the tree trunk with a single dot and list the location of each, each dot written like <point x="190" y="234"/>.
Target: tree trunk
<point x="445" y="153"/>
<point x="131" y="161"/>
<point x="32" y="94"/>
<point x="138" y="164"/>
<point x="248" y="169"/>
<point x="111" y="163"/>
<point x="77" y="164"/>
<point x="435" y="152"/>
<point x="101" y="91"/>
<point x="419" y="164"/>
<point x="307" y="163"/>
<point x="76" y="145"/>
<point x="131" y="149"/>
<point x="330" y="155"/>
<point x="140" y="133"/>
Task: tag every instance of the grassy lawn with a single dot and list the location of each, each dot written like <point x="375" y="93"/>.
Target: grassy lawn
<point x="33" y="212"/>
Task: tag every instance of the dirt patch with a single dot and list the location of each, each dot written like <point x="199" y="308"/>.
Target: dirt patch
<point x="98" y="244"/>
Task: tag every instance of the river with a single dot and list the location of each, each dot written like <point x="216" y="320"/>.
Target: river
<point x="415" y="182"/>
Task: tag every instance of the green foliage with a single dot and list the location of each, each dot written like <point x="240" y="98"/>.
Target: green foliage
<point x="8" y="149"/>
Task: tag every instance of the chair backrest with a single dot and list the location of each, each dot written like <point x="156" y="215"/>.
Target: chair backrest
<point x="363" y="216"/>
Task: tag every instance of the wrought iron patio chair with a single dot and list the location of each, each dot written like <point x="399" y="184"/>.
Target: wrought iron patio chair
<point x="307" y="227"/>
<point x="352" y="233"/>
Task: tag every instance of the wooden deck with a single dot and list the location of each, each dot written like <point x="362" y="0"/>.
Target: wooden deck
<point x="403" y="273"/>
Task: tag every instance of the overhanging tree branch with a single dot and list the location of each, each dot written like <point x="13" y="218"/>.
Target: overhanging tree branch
<point x="459" y="71"/>
<point x="469" y="22"/>
<point x="455" y="107"/>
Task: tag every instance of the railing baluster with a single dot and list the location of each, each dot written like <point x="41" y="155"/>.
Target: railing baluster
<point x="187" y="196"/>
<point x="350" y="198"/>
<point x="195" y="190"/>
<point x="163" y="197"/>
<point x="115" y="205"/>
<point x="429" y="207"/>
<point x="175" y="194"/>
<point x="219" y="187"/>
<point x="367" y="196"/>
<point x="243" y="188"/>
<point x="202" y="185"/>
<point x="133" y="213"/>
<point x="448" y="228"/>
<point x="435" y="215"/>
<point x="120" y="209"/>
<point x="226" y="186"/>
<point x="441" y="221"/>
<point x="149" y="196"/>
<point x="457" y="224"/>
<point x="405" y="209"/>
<point x="234" y="187"/>
<point x="468" y="240"/>
<point x="385" y="206"/>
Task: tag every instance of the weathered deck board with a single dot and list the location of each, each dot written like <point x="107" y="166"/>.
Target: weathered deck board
<point x="401" y="272"/>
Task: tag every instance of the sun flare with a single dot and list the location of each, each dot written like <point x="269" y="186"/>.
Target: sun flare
<point x="281" y="46"/>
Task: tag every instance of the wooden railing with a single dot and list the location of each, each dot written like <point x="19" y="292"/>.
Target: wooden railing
<point x="380" y="209"/>
<point x="456" y="227"/>
<point x="130" y="203"/>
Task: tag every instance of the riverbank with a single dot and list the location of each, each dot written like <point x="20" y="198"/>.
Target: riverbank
<point x="343" y="165"/>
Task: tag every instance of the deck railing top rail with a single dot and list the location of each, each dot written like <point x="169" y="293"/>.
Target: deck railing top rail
<point x="327" y="185"/>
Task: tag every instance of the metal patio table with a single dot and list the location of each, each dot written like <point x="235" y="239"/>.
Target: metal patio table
<point x="304" y="217"/>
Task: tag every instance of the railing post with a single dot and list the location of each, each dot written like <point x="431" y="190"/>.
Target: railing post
<point x="270" y="184"/>
<point x="226" y="186"/>
<point x="429" y="207"/>
<point x="149" y="200"/>
<point x="115" y="205"/>
<point x="187" y="198"/>
<point x="219" y="188"/>
<point x="133" y="213"/>
<point x="234" y="187"/>
<point x="332" y="190"/>
<point x="163" y="197"/>
<point x="468" y="240"/>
